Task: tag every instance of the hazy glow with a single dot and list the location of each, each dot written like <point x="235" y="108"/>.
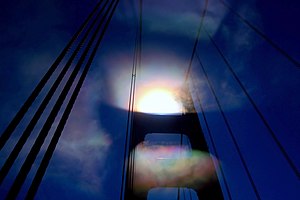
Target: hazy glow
<point x="171" y="166"/>
<point x="161" y="69"/>
<point x="158" y="101"/>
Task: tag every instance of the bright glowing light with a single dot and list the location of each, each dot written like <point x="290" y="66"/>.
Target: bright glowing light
<point x="158" y="101"/>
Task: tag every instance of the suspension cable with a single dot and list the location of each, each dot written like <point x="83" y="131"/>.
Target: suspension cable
<point x="183" y="189"/>
<point x="50" y="150"/>
<point x="190" y="194"/>
<point x="128" y="179"/>
<point x="186" y="79"/>
<point x="138" y="64"/>
<point x="212" y="142"/>
<point x="47" y="126"/>
<point x="28" y="130"/>
<point x="196" y="41"/>
<point x="129" y="115"/>
<point x="178" y="193"/>
<point x="229" y="128"/>
<point x="23" y="110"/>
<point x="261" y="34"/>
<point x="260" y="114"/>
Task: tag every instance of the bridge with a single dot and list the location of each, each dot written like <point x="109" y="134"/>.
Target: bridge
<point x="237" y="150"/>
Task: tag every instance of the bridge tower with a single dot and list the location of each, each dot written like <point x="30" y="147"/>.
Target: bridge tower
<point x="188" y="130"/>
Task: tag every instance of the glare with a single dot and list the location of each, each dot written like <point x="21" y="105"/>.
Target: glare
<point x="158" y="101"/>
<point x="171" y="166"/>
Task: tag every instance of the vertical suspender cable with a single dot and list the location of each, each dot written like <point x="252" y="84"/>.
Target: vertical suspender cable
<point x="186" y="79"/>
<point x="196" y="41"/>
<point x="190" y="194"/>
<point x="128" y="175"/>
<point x="129" y="116"/>
<point x="138" y="61"/>
<point x="47" y="126"/>
<point x="26" y="133"/>
<point x="261" y="34"/>
<point x="21" y="113"/>
<point x="229" y="130"/>
<point x="131" y="131"/>
<point x="213" y="144"/>
<point x="128" y="139"/>
<point x="46" y="159"/>
<point x="263" y="119"/>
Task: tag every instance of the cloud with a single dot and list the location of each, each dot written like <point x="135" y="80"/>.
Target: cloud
<point x="84" y="145"/>
<point x="176" y="18"/>
<point x="238" y="35"/>
<point x="230" y="97"/>
<point x="185" y="25"/>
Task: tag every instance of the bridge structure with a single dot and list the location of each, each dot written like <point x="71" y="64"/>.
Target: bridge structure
<point x="150" y="132"/>
<point x="191" y="126"/>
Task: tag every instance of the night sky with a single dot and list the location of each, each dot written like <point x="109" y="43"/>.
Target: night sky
<point x="87" y="163"/>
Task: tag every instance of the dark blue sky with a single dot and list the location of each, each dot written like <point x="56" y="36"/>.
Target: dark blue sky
<point x="88" y="159"/>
